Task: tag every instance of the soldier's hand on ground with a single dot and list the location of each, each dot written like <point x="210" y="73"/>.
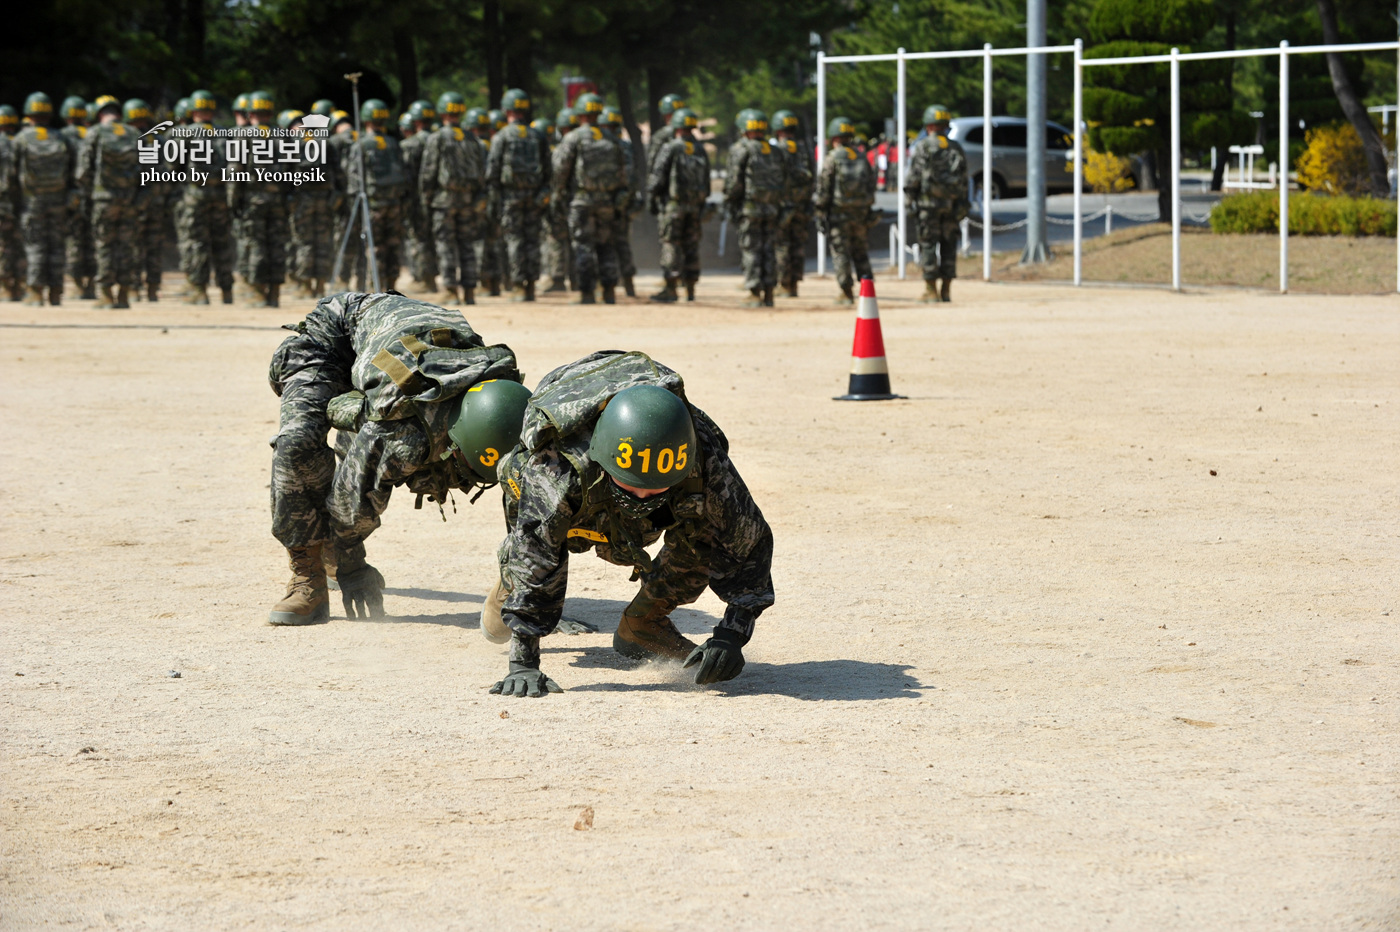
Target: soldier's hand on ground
<point x="721" y="657"/>
<point x="362" y="590"/>
<point x="523" y="680"/>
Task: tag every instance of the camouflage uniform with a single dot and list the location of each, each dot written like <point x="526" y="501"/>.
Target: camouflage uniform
<point x="202" y="226"/>
<point x="81" y="261"/>
<point x="622" y="217"/>
<point x="261" y="209"/>
<point x="796" y="212"/>
<point x="386" y="183"/>
<point x="340" y="153"/>
<point x="518" y="177"/>
<point x="558" y="502"/>
<point x="657" y="142"/>
<point x="590" y="165"/>
<point x="418" y="234"/>
<point x="753" y="189"/>
<point x="936" y="182"/>
<point x="845" y="195"/>
<point x="680" y="182"/>
<point x="451" y="188"/>
<point x="404" y="359"/>
<point x="44" y="168"/>
<point x="312" y="222"/>
<point x="151" y="202"/>
<point x="11" y="250"/>
<point x="486" y="240"/>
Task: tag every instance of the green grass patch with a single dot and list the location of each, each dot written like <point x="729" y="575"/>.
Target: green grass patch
<point x="1308" y="215"/>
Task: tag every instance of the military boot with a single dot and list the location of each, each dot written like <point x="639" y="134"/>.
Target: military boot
<point x="306" y="602"/>
<point x="55" y="297"/>
<point x="667" y="295"/>
<point x="846" y="297"/>
<point x="755" y="298"/>
<point x="609" y="294"/>
<point x="583" y="297"/>
<point x="493" y="287"/>
<point x="690" y="291"/>
<point x="947" y="287"/>
<point x="199" y="295"/>
<point x="152" y="291"/>
<point x="227" y="294"/>
<point x="271" y="295"/>
<point x="517" y="293"/>
<point x="468" y="295"/>
<point x="34" y="297"/>
<point x="318" y="289"/>
<point x="105" y="299"/>
<point x="89" y="289"/>
<point x="529" y="291"/>
<point x="646" y="633"/>
<point x="768" y="297"/>
<point x="493" y="627"/>
<point x="628" y="287"/>
<point x="123" y="301"/>
<point x="790" y="288"/>
<point x="930" y="295"/>
<point x="556" y="284"/>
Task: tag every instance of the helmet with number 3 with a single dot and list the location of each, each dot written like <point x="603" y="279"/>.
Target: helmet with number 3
<point x="486" y="423"/>
<point x="644" y="438"/>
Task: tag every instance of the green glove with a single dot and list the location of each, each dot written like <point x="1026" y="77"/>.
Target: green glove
<point x="720" y="658"/>
<point x="525" y="680"/>
<point x="363" y="589"/>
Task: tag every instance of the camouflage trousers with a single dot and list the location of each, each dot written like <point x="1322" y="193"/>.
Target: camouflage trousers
<point x="202" y="230"/>
<point x="622" y="239"/>
<point x="939" y="233"/>
<point x="850" y="253"/>
<point x="115" y="229"/>
<point x="312" y="227"/>
<point x="756" y="247"/>
<point x="456" y="257"/>
<point x="265" y="242"/>
<point x="11" y="253"/>
<point x="387" y="220"/>
<point x="419" y="249"/>
<point x="558" y="252"/>
<point x="42" y="224"/>
<point x="82" y="261"/>
<point x="680" y="242"/>
<point x="306" y="374"/>
<point x="152" y="237"/>
<point x="791" y="247"/>
<point x="591" y="228"/>
<point x="492" y="263"/>
<point x="520" y="228"/>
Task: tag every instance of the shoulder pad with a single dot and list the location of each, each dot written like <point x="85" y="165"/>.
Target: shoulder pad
<point x="457" y="133"/>
<point x="597" y="133"/>
<point x="942" y="142"/>
<point x="850" y="153"/>
<point x="118" y="129"/>
<point x="791" y="144"/>
<point x="82" y="132"/>
<point x="764" y="147"/>
<point x="521" y="130"/>
<point x="41" y="132"/>
<point x="689" y="148"/>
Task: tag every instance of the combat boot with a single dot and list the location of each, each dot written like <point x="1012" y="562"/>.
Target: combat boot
<point x="646" y="633"/>
<point x="846" y="297"/>
<point x="790" y="288"/>
<point x="89" y="289"/>
<point x="609" y="294"/>
<point x="529" y="291"/>
<point x="667" y="295"/>
<point x="152" y="291"/>
<point x="105" y="299"/>
<point x="493" y="626"/>
<point x="947" y="288"/>
<point x="767" y="297"/>
<point x="755" y="298"/>
<point x="306" y="602"/>
<point x="123" y="300"/>
<point x="270" y="295"/>
<point x="493" y="287"/>
<point x="690" y="291"/>
<point x="628" y="288"/>
<point x="556" y="284"/>
<point x="517" y="293"/>
<point x="199" y="295"/>
<point x="930" y="295"/>
<point x="227" y="294"/>
<point x="34" y="297"/>
<point x="55" y="297"/>
<point x="468" y="295"/>
<point x="584" y="297"/>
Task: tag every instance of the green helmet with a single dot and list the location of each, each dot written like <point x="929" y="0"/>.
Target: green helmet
<point x="451" y="103"/>
<point x="240" y="103"/>
<point x="611" y="117"/>
<point x="840" y="126"/>
<point x="937" y="114"/>
<point x="644" y="438"/>
<point x="136" y="109"/>
<point x="486" y="421"/>
<point x="182" y="110"/>
<point x="477" y="119"/>
<point x="374" y="109"/>
<point x="588" y="103"/>
<point x="498" y="118"/>
<point x="37" y="104"/>
<point x="566" y="119"/>
<point x="751" y="120"/>
<point x="785" y="120"/>
<point x="670" y="104"/>
<point x="8" y="116"/>
<point x="323" y="107"/>
<point x="515" y="99"/>
<point x="286" y="118"/>
<point x="543" y="124"/>
<point x="73" y="108"/>
<point x="684" y="118"/>
<point x="422" y="111"/>
<point x="405" y="121"/>
<point x="202" y="100"/>
<point x="261" y="102"/>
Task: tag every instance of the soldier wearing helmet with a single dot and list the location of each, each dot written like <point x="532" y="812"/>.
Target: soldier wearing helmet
<point x="936" y="184"/>
<point x="338" y="153"/>
<point x="622" y="229"/>
<point x="81" y="262"/>
<point x="108" y="173"/>
<point x="451" y="191"/>
<point x="44" y="167"/>
<point x="487" y="242"/>
<point x="151" y="204"/>
<point x="421" y="401"/>
<point x="790" y="252"/>
<point x="664" y="133"/>
<point x="591" y="185"/>
<point x="259" y="206"/>
<point x="753" y="192"/>
<point x="310" y="222"/>
<point x="680" y="182"/>
<point x="378" y="170"/>
<point x="844" y="201"/>
<point x="202" y="223"/>
<point x="9" y="120"/>
<point x="517" y="179"/>
<point x="557" y="252"/>
<point x="612" y="457"/>
<point x="11" y="246"/>
<point x="415" y="126"/>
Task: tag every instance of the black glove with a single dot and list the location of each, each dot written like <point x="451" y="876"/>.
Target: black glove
<point x="363" y="589"/>
<point x="720" y="658"/>
<point x="525" y="680"/>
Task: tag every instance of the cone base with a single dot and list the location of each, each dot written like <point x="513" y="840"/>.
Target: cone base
<point x="866" y="397"/>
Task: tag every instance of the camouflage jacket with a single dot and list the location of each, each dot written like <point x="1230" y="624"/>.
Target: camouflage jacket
<point x="213" y="187"/>
<point x="518" y="161"/>
<point x="385" y="179"/>
<point x="410" y="360"/>
<point x="338" y="149"/>
<point x="590" y="168"/>
<point x="257" y="191"/>
<point x="937" y="175"/>
<point x="558" y="501"/>
<point x="755" y="179"/>
<point x="9" y="187"/>
<point x="680" y="174"/>
<point x="453" y="172"/>
<point x="800" y="174"/>
<point x="657" y="142"/>
<point x="847" y="183"/>
<point x="44" y="163"/>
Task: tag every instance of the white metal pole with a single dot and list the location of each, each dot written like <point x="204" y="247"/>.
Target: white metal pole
<point x="1283" y="167"/>
<point x="821" y="150"/>
<point x="1176" y="170"/>
<point x="1078" y="161"/>
<point x="899" y="153"/>
<point x="987" y="162"/>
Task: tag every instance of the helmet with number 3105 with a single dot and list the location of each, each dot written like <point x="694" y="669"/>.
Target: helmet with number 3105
<point x="645" y="438"/>
<point x="486" y="423"/>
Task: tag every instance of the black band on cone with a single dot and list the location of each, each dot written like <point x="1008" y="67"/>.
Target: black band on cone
<point x="873" y="383"/>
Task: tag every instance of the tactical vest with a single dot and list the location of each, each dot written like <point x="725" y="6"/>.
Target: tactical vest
<point x="690" y="173"/>
<point x="7" y="175"/>
<point x="599" y="165"/>
<point x="799" y="171"/>
<point x="45" y="161"/>
<point x="763" y="181"/>
<point x="945" y="175"/>
<point x="115" y="166"/>
<point x="385" y="176"/>
<point x="461" y="160"/>
<point x="522" y="165"/>
<point x="852" y="187"/>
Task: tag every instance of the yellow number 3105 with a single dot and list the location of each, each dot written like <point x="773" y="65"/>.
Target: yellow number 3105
<point x="667" y="459"/>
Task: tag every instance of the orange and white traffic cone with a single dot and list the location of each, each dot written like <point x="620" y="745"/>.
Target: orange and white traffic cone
<point x="870" y="376"/>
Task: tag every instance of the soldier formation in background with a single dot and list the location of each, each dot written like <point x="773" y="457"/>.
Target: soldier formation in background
<point x="460" y="198"/>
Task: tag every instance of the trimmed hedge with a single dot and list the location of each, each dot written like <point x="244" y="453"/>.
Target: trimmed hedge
<point x="1308" y="215"/>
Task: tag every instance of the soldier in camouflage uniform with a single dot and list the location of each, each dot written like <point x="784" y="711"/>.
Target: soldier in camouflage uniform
<point x="82" y="264"/>
<point x="680" y="182"/>
<point x="622" y="226"/>
<point x="421" y="400"/>
<point x="753" y="189"/>
<point x="202" y="223"/>
<point x="518" y="180"/>
<point x="340" y="151"/>
<point x="11" y="248"/>
<point x="611" y="458"/>
<point x="486" y="236"/>
<point x="9" y="120"/>
<point x="796" y="212"/>
<point x="386" y="183"/>
<point x="418" y="234"/>
<point x="44" y="165"/>
<point x="844" y="199"/>
<point x="590" y="182"/>
<point x="558" y="253"/>
<point x="260" y="205"/>
<point x="936" y="184"/>
<point x="151" y="202"/>
<point x="309" y="219"/>
<point x="663" y="134"/>
<point x="451" y="189"/>
<point x="109" y="174"/>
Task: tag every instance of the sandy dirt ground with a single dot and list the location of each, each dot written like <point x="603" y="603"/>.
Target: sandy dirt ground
<point x="1099" y="628"/>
